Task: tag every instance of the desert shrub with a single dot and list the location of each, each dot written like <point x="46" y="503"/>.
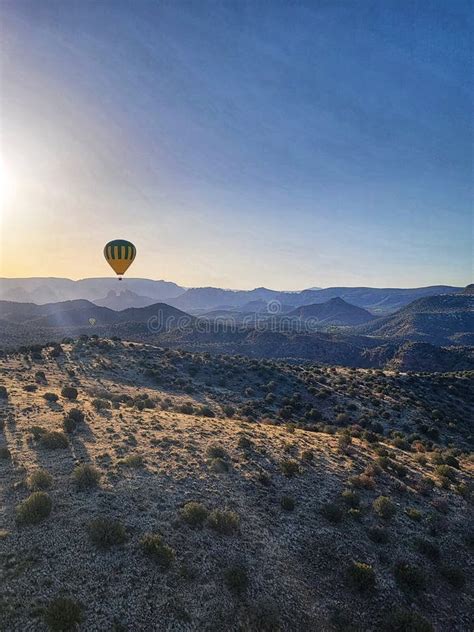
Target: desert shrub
<point x="132" y="460"/>
<point x="289" y="467"/>
<point x="186" y="409"/>
<point x="454" y="576"/>
<point x="69" y="425"/>
<point x="428" y="548"/>
<point x="236" y="577"/>
<point x="408" y="576"/>
<point x="101" y="404"/>
<point x="39" y="480"/>
<point x="216" y="452"/>
<point x="5" y="454"/>
<point x="40" y="377"/>
<point x="62" y="614"/>
<point x="50" y="397"/>
<point x="53" y="440"/>
<point x="34" y="509"/>
<point x="105" y="532"/>
<point x="219" y="466"/>
<point x="85" y="476"/>
<point x="445" y="471"/>
<point x="351" y="498"/>
<point x="3" y="392"/>
<point x="223" y="521"/>
<point x="414" y="514"/>
<point x="245" y="443"/>
<point x="379" y="535"/>
<point x="76" y="415"/>
<point x="384" y="507"/>
<point x="406" y="621"/>
<point x="205" y="411"/>
<point x="30" y="388"/>
<point x="264" y="616"/>
<point x="361" y="576"/>
<point x="69" y="392"/>
<point x="152" y="544"/>
<point x="452" y="461"/>
<point x="332" y="512"/>
<point x="229" y="411"/>
<point x="344" y="441"/>
<point x="307" y="455"/>
<point x="194" y="513"/>
<point x="362" y="481"/>
<point x="287" y="503"/>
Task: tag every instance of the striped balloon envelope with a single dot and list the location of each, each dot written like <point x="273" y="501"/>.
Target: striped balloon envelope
<point x="120" y="254"/>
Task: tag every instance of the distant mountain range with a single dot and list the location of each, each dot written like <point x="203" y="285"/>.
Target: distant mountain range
<point x="43" y="290"/>
<point x="412" y="337"/>
<point x="109" y="292"/>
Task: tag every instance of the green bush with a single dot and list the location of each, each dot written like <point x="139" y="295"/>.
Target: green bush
<point x="445" y="471"/>
<point x="245" y="443"/>
<point x="379" y="535"/>
<point x="332" y="512"/>
<point x="105" y="532"/>
<point x="216" y="452"/>
<point x="406" y="621"/>
<point x="85" y="476"/>
<point x="62" y="614"/>
<point x="101" y="404"/>
<point x="205" y="411"/>
<point x="153" y="546"/>
<point x="408" y="576"/>
<point x="5" y="453"/>
<point x="54" y="440"/>
<point x="454" y="576"/>
<point x="351" y="498"/>
<point x="69" y="392"/>
<point x="72" y="419"/>
<point x="132" y="460"/>
<point x="384" y="507"/>
<point x="219" y="466"/>
<point x="194" y="513"/>
<point x="223" y="521"/>
<point x="76" y="415"/>
<point x="236" y="578"/>
<point x="287" y="503"/>
<point x="51" y="397"/>
<point x="39" y="480"/>
<point x="34" y="509"/>
<point x="361" y="576"/>
<point x="289" y="467"/>
<point x="428" y="548"/>
<point x="414" y="514"/>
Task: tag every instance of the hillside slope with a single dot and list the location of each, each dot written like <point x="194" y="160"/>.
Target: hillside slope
<point x="441" y="320"/>
<point x="336" y="311"/>
<point x="287" y="466"/>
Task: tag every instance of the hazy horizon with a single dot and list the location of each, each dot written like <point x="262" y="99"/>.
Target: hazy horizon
<point x="238" y="145"/>
<point x="123" y="284"/>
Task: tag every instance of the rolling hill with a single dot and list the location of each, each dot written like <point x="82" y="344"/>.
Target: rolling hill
<point x="440" y="320"/>
<point x="336" y="311"/>
<point x="144" y="488"/>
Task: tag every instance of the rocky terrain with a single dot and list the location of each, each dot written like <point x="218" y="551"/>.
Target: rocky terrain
<point x="145" y="488"/>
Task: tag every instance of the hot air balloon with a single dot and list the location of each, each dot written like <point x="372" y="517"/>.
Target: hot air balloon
<point x="119" y="254"/>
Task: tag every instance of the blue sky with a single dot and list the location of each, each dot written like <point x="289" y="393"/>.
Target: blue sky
<point x="239" y="144"/>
